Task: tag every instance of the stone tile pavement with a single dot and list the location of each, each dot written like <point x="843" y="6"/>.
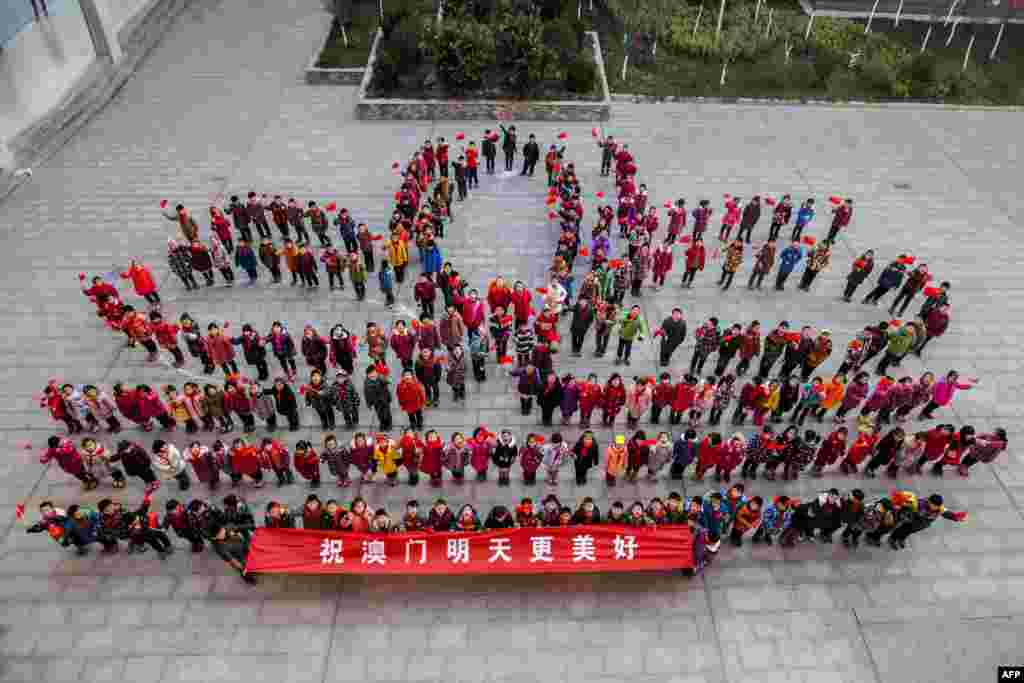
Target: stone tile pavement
<point x="219" y="107"/>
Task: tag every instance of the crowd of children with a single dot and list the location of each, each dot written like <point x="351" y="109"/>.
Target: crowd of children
<point x="433" y="349"/>
<point x="726" y="513"/>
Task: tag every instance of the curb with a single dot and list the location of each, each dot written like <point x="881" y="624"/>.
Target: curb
<point x="816" y="102"/>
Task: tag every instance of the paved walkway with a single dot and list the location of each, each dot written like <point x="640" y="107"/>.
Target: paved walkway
<point x="219" y="107"/>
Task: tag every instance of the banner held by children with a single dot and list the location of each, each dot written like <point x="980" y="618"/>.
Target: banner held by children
<point x="574" y="549"/>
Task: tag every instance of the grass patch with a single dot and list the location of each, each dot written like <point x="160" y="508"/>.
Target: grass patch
<point x="360" y="33"/>
<point x="889" y="67"/>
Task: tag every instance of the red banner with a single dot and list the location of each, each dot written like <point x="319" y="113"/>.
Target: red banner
<point x="510" y="551"/>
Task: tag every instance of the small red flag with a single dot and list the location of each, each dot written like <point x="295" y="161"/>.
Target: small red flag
<point x="81" y="276"/>
<point x="616" y="263"/>
<point x="552" y="215"/>
<point x="685" y="239"/>
<point x="793" y="337"/>
<point x="895" y="322"/>
<point x="460" y="136"/>
<point x="907" y="260"/>
<point x="163" y="203"/>
<point x="584" y="251"/>
<point x="505" y="360"/>
<point x="809" y="240"/>
<point x="649" y="442"/>
<point x="599" y="195"/>
<point x="932" y="292"/>
<point x="19" y="510"/>
<point x="769" y="201"/>
<point x="331" y="206"/>
<point x="563" y="136"/>
<point x="538" y="438"/>
<point x="593" y="131"/>
<point x="376" y="238"/>
<point x="542" y="290"/>
<point x="835" y="200"/>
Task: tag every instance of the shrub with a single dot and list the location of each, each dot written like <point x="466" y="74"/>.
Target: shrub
<point x="522" y="51"/>
<point x="843" y="84"/>
<point x="464" y="49"/>
<point x="879" y="77"/>
<point x="561" y="37"/>
<point x="581" y="76"/>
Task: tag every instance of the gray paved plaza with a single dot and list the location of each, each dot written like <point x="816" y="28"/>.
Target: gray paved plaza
<point x="219" y="108"/>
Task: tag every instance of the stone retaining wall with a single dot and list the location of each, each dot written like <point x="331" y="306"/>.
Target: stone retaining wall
<point x="388" y="109"/>
<point x="347" y="76"/>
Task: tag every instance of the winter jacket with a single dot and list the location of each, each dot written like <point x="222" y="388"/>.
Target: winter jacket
<point x="142" y="279"/>
<point x="789" y="257"/>
<point x="892" y="276"/>
<point x="170" y="464"/>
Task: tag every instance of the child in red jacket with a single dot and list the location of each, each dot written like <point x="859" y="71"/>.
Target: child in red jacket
<point x="708" y="454"/>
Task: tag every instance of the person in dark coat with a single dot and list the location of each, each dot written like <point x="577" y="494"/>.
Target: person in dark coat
<point x="177" y="518"/>
<point x="582" y="319"/>
<point x="672" y="333"/>
<point x="245" y="258"/>
<point x="751" y="215"/>
<point x="891" y="278"/>
<point x="585" y="454"/>
<point x="377" y="392"/>
<point x="531" y="153"/>
<point x="509" y="145"/>
<point x="549" y="398"/>
<point x="285" y="403"/>
<point x="860" y="271"/>
<point x="254" y="350"/>
<point x="136" y="463"/>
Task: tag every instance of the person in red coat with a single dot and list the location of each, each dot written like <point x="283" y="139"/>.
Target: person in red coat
<point x="433" y="452"/>
<point x="708" y="454"/>
<point x="127" y="401"/>
<point x="425" y="293"/>
<point x="412" y="397"/>
<point x="591" y="396"/>
<point x="613" y="399"/>
<point x="935" y="321"/>
<point x="521" y="303"/>
<point x="139" y="331"/>
<point x="100" y="293"/>
<point x="472" y="309"/>
<point x="69" y="460"/>
<point x="167" y="337"/>
<point x="685" y="391"/>
<point x="832" y="450"/>
<point x="695" y="260"/>
<point x="151" y="406"/>
<point x="245" y="461"/>
<point x="307" y="462"/>
<point x="142" y="280"/>
<point x="662" y="263"/>
<point x="403" y="342"/>
<point x="663" y="395"/>
<point x="221" y="351"/>
<point x="499" y="294"/>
